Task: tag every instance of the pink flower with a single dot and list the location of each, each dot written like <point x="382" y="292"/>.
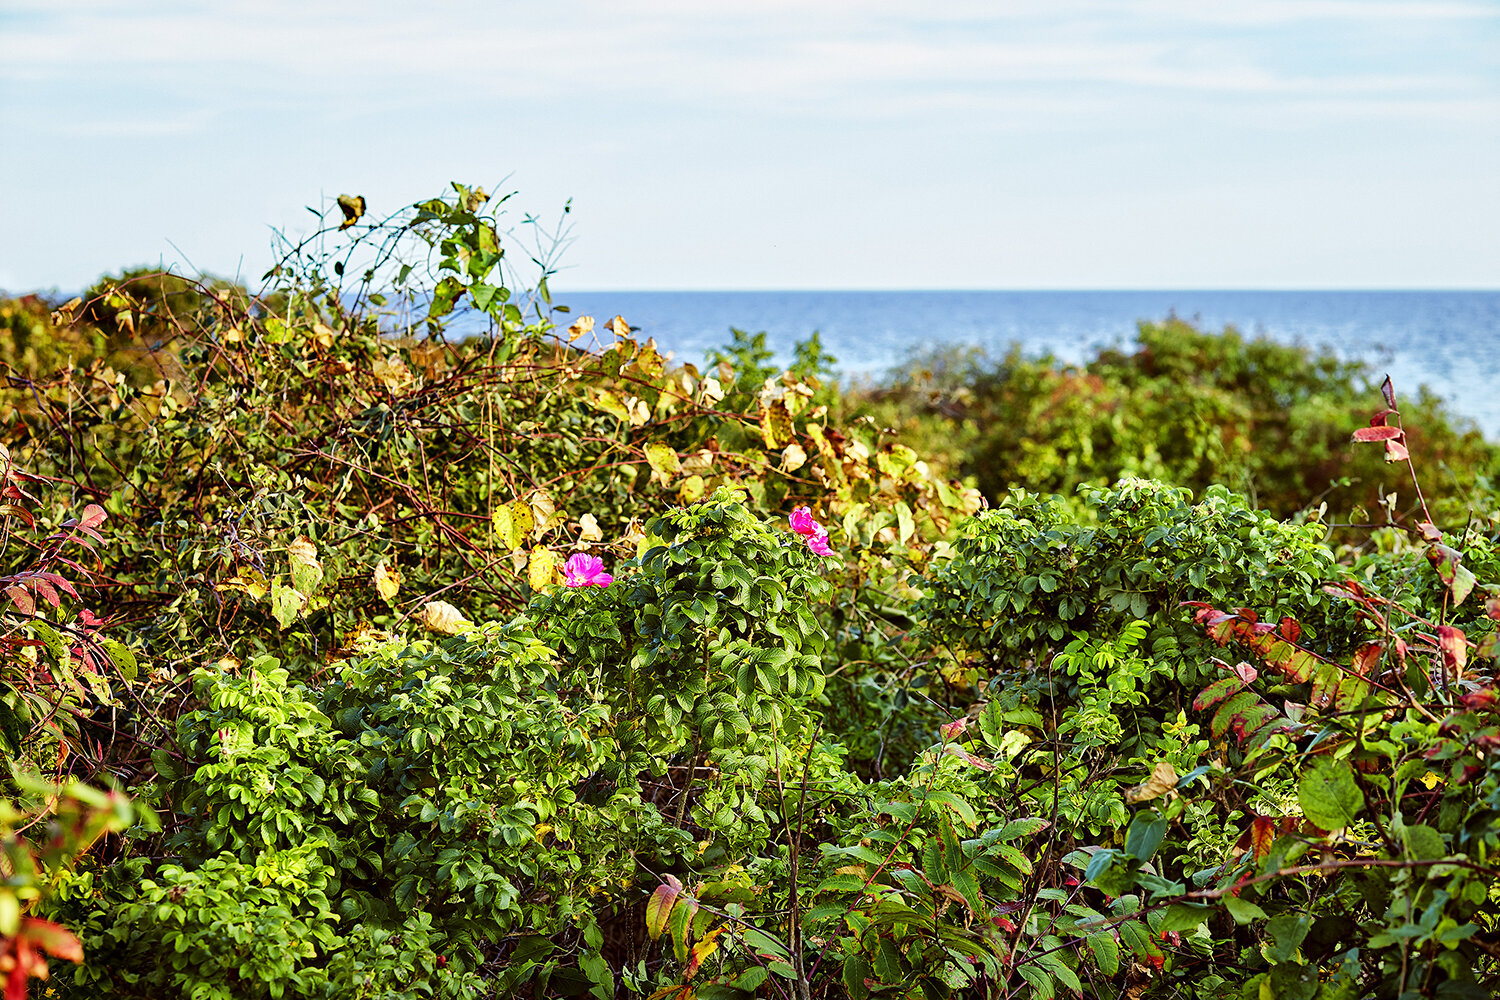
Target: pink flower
<point x="582" y="569"/>
<point x="819" y="544"/>
<point x="803" y="524"/>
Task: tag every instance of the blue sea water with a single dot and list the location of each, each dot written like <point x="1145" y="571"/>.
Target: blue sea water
<point x="1446" y="340"/>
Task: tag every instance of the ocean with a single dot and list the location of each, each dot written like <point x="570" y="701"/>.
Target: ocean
<point x="1446" y="340"/>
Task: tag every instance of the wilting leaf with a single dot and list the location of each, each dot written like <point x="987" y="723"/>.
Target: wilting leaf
<point x="1395" y="450"/>
<point x="387" y="581"/>
<point x="953" y="730"/>
<point x="618" y="327"/>
<point x="588" y="529"/>
<point x="968" y="758"/>
<point x="307" y="572"/>
<point x="704" y="947"/>
<point x="1163" y="780"/>
<point x="1263" y="831"/>
<point x="793" y="457"/>
<point x="1389" y="392"/>
<point x="393" y="373"/>
<point x="353" y="207"/>
<point x="1329" y="795"/>
<point x="581" y="328"/>
<point x="1245" y="672"/>
<point x="54" y="939"/>
<point x="442" y="617"/>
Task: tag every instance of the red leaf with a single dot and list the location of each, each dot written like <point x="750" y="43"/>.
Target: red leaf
<point x="1366" y="657"/>
<point x="1377" y="433"/>
<point x="953" y="730"/>
<point x="1454" y="646"/>
<point x="1430" y="532"/>
<point x="1245" y="672"/>
<point x="1395" y="451"/>
<point x="47" y="591"/>
<point x="969" y="758"/>
<point x="1389" y="392"/>
<point x="54" y="939"/>
<point x="1378" y="420"/>
<point x="21" y="599"/>
<point x="93" y="516"/>
<point x="1492" y="605"/>
<point x="1290" y="629"/>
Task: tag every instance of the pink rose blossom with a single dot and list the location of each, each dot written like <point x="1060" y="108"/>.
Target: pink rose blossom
<point x="819" y="544"/>
<point x="803" y="524"/>
<point x="582" y="569"/>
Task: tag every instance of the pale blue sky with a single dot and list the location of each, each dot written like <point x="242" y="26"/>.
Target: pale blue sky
<point x="768" y="144"/>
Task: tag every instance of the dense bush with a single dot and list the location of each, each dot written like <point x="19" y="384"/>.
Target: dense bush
<point x="1140" y="739"/>
<point x="1188" y="407"/>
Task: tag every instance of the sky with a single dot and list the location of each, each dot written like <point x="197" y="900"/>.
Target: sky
<point x="771" y="144"/>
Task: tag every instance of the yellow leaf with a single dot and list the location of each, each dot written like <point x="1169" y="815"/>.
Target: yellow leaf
<point x="249" y="580"/>
<point x="520" y="522"/>
<point x="582" y="328"/>
<point x="663" y="461"/>
<point x="775" y="422"/>
<point x="387" y="581"/>
<point x="610" y="403"/>
<point x="393" y="373"/>
<point x="698" y="462"/>
<point x="692" y="489"/>
<point x="443" y="618"/>
<point x="588" y="529"/>
<point x="639" y="411"/>
<point x="322" y="336"/>
<point x="542" y="571"/>
<point x="500" y="521"/>
<point x="618" y="327"/>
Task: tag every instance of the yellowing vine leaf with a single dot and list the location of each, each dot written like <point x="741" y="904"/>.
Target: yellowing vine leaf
<point x="443" y="618"/>
<point x="618" y="327"/>
<point x="663" y="461"/>
<point x="387" y="581"/>
<point x="521" y="521"/>
<point x="541" y="572"/>
<point x="793" y="457"/>
<point x="307" y="572"/>
<point x="588" y="529"/>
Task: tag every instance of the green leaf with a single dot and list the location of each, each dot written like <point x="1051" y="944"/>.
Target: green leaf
<point x="121" y="657"/>
<point x="286" y="603"/>
<point x="1423" y="843"/>
<point x="1243" y="911"/>
<point x="1329" y="794"/>
<point x="1183" y="917"/>
<point x="856" y="971"/>
<point x="1106" y="952"/>
<point x="1287" y="931"/>
<point x="1145" y="835"/>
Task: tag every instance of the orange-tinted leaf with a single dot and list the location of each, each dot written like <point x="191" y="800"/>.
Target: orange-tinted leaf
<point x="1290" y="629"/>
<point x="1263" y="831"/>
<point x="706" y="946"/>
